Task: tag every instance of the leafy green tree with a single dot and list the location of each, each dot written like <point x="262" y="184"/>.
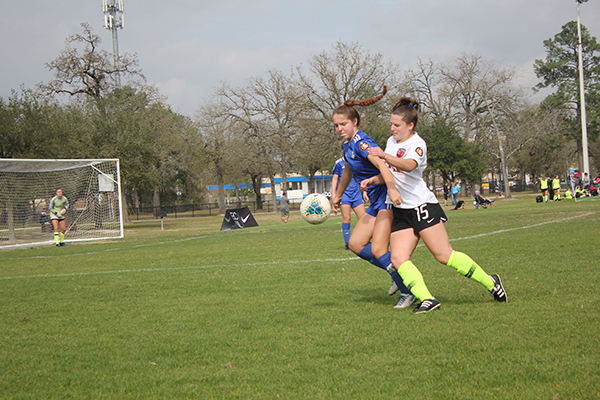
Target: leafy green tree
<point x="560" y="70"/>
<point x="35" y="127"/>
<point x="448" y="153"/>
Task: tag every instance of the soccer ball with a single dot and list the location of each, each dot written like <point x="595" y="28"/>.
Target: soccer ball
<point x="315" y="208"/>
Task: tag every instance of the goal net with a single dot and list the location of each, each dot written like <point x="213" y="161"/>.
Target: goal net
<point x="92" y="188"/>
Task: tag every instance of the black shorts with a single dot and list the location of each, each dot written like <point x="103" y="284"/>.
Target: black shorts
<point x="418" y="218"/>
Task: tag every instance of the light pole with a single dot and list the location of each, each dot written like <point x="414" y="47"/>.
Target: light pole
<point x="584" y="142"/>
<point x="113" y="20"/>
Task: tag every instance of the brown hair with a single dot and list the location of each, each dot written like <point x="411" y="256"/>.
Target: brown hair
<point x="347" y="109"/>
<point x="406" y="108"/>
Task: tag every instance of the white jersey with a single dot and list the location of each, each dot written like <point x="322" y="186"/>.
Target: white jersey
<point x="410" y="185"/>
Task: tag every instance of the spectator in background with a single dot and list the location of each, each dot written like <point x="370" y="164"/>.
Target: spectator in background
<point x="586" y="181"/>
<point x="568" y="194"/>
<point x="45" y="220"/>
<point x="483" y="200"/>
<point x="284" y="207"/>
<point x="544" y="188"/>
<point x="550" y="189"/>
<point x="455" y="190"/>
<point x="556" y="188"/>
<point x="573" y="182"/>
<point x="446" y="190"/>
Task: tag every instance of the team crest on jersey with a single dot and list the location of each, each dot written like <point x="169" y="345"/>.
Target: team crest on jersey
<point x="419" y="151"/>
<point x="401" y="153"/>
<point x="364" y="146"/>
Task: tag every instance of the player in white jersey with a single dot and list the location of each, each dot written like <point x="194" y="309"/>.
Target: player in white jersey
<point x="420" y="216"/>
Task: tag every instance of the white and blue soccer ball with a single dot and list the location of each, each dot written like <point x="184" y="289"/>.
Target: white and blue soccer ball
<point x="315" y="208"/>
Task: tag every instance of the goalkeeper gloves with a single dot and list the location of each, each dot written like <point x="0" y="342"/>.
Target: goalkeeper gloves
<point x="62" y="212"/>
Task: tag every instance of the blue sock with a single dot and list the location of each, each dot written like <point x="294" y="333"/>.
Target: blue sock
<point x="366" y="254"/>
<point x="346" y="232"/>
<point x="386" y="260"/>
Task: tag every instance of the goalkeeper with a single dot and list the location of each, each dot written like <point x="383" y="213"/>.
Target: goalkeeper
<point x="58" y="208"/>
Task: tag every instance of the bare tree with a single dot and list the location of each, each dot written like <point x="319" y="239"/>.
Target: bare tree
<point x="480" y="98"/>
<point x="90" y="72"/>
<point x="328" y="79"/>
<point x="267" y="110"/>
<point x="219" y="145"/>
<point x="346" y="72"/>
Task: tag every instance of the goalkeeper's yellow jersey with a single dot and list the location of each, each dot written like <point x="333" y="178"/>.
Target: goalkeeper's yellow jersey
<point x="57" y="205"/>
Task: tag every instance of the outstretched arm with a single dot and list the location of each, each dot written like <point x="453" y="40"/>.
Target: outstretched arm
<point x="387" y="178"/>
<point x="336" y="197"/>
<point x="403" y="164"/>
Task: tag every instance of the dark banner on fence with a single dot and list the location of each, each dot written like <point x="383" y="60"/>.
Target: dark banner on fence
<point x="238" y="218"/>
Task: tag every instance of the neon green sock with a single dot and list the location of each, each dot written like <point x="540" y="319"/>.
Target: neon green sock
<point x="545" y="198"/>
<point x="62" y="237"/>
<point x="56" y="237"/>
<point x="469" y="268"/>
<point x="413" y="280"/>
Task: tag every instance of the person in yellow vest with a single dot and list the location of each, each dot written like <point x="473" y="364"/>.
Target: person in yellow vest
<point x="544" y="188"/>
<point x="568" y="194"/>
<point x="556" y="187"/>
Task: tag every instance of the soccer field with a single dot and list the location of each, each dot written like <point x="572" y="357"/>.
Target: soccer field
<point x="283" y="311"/>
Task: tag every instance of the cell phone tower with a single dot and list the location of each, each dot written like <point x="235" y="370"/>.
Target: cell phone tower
<point x="113" y="20"/>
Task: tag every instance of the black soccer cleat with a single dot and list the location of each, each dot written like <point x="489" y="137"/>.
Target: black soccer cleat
<point x="426" y="306"/>
<point x="498" y="292"/>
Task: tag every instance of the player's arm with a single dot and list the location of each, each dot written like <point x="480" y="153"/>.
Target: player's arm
<point x="403" y="164"/>
<point x="52" y="208"/>
<point x="336" y="197"/>
<point x="62" y="212"/>
<point x="334" y="182"/>
<point x="388" y="179"/>
<point x="372" y="181"/>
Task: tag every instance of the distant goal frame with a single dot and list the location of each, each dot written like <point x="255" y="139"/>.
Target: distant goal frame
<point x="93" y="187"/>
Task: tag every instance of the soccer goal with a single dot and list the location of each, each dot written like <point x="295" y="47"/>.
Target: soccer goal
<point x="92" y="187"/>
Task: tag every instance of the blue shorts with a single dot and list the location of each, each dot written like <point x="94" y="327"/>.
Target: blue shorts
<point x="377" y="196"/>
<point x="352" y="197"/>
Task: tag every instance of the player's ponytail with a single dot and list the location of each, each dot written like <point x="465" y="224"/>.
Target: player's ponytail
<point x="406" y="108"/>
<point x="347" y="109"/>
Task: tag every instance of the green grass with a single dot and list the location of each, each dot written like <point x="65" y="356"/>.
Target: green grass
<point x="283" y="311"/>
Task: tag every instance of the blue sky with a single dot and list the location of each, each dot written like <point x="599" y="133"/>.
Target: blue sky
<point x="186" y="48"/>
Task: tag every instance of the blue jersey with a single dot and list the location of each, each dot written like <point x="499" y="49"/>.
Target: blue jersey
<point x="355" y="154"/>
<point x="352" y="195"/>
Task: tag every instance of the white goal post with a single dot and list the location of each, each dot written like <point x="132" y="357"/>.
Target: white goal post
<point x="92" y="186"/>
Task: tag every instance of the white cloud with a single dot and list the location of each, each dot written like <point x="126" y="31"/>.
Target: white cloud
<point x="186" y="47"/>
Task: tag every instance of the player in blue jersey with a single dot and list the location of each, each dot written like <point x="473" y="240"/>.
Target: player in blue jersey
<point x="59" y="205"/>
<point x="420" y="216"/>
<point x="352" y="199"/>
<point x="371" y="235"/>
